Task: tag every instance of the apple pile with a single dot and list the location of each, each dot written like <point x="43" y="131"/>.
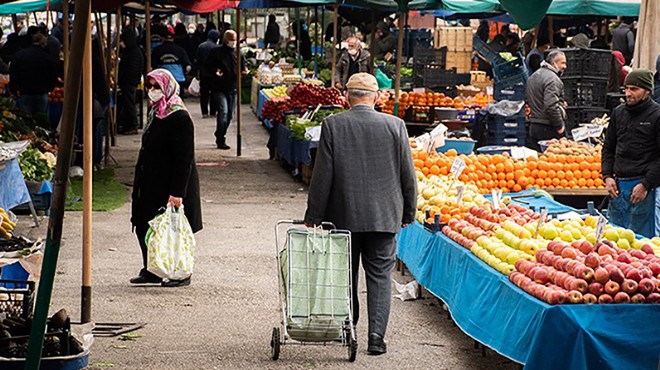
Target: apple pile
<point x="437" y="196"/>
<point x="582" y="272"/>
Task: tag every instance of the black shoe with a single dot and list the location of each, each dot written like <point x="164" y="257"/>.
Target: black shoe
<point x="377" y="345"/>
<point x="175" y="283"/>
<point x="223" y="146"/>
<point x="146" y="279"/>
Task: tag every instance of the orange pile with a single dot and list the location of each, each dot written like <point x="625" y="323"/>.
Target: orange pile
<point x="498" y="171"/>
<point x="432" y="99"/>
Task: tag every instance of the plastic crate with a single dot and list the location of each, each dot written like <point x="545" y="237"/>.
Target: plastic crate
<point x="424" y="57"/>
<point x="512" y="140"/>
<point x="504" y="91"/>
<point x="438" y="79"/>
<point x="575" y="116"/>
<point x="614" y="100"/>
<point x="16" y="298"/>
<point x="420" y="114"/>
<point x="516" y="127"/>
<point x="511" y="72"/>
<point x="463" y="79"/>
<point x="585" y="93"/>
<point x="485" y="51"/>
<point x="461" y="146"/>
<point x="587" y="63"/>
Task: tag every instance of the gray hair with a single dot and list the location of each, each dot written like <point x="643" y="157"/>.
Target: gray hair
<point x="359" y="93"/>
<point x="553" y="55"/>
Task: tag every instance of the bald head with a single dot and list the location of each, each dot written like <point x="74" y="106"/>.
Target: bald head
<point x="230" y="38"/>
<point x="353" y="43"/>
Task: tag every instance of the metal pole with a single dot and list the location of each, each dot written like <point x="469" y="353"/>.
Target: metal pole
<point x="65" y="29"/>
<point x="86" y="291"/>
<point x="399" y="58"/>
<point x="147" y="15"/>
<point x="334" y="44"/>
<point x="239" y="75"/>
<point x="54" y="236"/>
<point x="298" y="31"/>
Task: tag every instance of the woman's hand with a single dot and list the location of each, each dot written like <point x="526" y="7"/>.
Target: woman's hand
<point x="175" y="201"/>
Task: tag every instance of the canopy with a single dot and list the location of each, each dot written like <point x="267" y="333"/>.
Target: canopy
<point x="624" y="8"/>
<point x="458" y="6"/>
<point x="28" y="6"/>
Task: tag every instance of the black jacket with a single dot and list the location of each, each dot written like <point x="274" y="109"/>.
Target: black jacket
<point x="224" y="60"/>
<point x="169" y="53"/>
<point x="632" y="143"/>
<point x="203" y="57"/>
<point x="623" y="40"/>
<point x="166" y="166"/>
<point x="131" y="66"/>
<point x="272" y="36"/>
<point x="32" y="71"/>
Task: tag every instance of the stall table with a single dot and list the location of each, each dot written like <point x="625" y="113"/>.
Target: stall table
<point x="578" y="198"/>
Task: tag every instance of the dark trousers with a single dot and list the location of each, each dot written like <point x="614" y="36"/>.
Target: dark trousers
<point x="141" y="232"/>
<point x="378" y="252"/>
<point x="205" y="97"/>
<point x="539" y="132"/>
<point x="126" y="109"/>
<point x="226" y="102"/>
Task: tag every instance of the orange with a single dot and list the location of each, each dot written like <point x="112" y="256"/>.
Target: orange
<point x="444" y="170"/>
<point x="422" y="155"/>
<point x="483" y="159"/>
<point x="434" y="170"/>
<point x="526" y="172"/>
<point x="572" y="183"/>
<point x="563" y="183"/>
<point x="540" y="182"/>
<point x="535" y="174"/>
<point x="583" y="165"/>
<point x="589" y="159"/>
<point x="590" y="183"/>
<point x="497" y="158"/>
<point x="561" y="175"/>
<point x="598" y="182"/>
<point x="501" y="176"/>
<point x="582" y="183"/>
<point x="428" y="163"/>
<point x="452" y="153"/>
<point x="595" y="166"/>
<point x="425" y="171"/>
<point x="569" y="175"/>
<point x="552" y="158"/>
<point x="542" y="174"/>
<point x="543" y="166"/>
<point x="509" y="176"/>
<point x="499" y="167"/>
<point x="556" y="182"/>
<point x="463" y="178"/>
<point x="556" y="167"/>
<point x="508" y="166"/>
<point x="418" y="163"/>
<point x="531" y="165"/>
<point x="548" y="181"/>
<point x="518" y="174"/>
<point x="491" y="169"/>
<point x="552" y="174"/>
<point x="517" y="188"/>
<point x="595" y="174"/>
<point x="502" y="183"/>
<point x="586" y="174"/>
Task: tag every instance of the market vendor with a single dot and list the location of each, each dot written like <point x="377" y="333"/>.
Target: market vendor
<point x="631" y="156"/>
<point x="545" y="95"/>
<point x="385" y="41"/>
<point x="352" y="60"/>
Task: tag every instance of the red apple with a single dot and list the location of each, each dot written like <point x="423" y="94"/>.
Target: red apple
<point x="607" y="258"/>
<point x="634" y="274"/>
<point x="616" y="274"/>
<point x="558" y="249"/>
<point x="579" y="285"/>
<point x="624" y="257"/>
<point x="653" y="298"/>
<point x="574" y="297"/>
<point x="638" y="254"/>
<point x="604" y="249"/>
<point x="572" y="265"/>
<point x="606" y="299"/>
<point x="592" y="260"/>
<point x="612" y="287"/>
<point x="586" y="247"/>
<point x="609" y="243"/>
<point x="596" y="289"/>
<point x="646" y="286"/>
<point x="601" y="275"/>
<point x="636" y="264"/>
<point x="622" y="297"/>
<point x="645" y="272"/>
<point x="638" y="298"/>
<point x="647" y="249"/>
<point x="629" y="286"/>
<point x="569" y="252"/>
<point x="589" y="299"/>
<point x="541" y="276"/>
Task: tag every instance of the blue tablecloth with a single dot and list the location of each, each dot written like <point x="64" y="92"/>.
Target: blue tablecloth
<point x="261" y="100"/>
<point x="13" y="191"/>
<point x="291" y="150"/>
<point x="492" y="310"/>
<point x="552" y="206"/>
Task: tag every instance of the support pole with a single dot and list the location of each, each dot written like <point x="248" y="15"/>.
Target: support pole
<point x="239" y="76"/>
<point x="147" y="15"/>
<point x="372" y="40"/>
<point x="335" y="16"/>
<point x="65" y="30"/>
<point x="298" y="31"/>
<point x="86" y="291"/>
<point x="54" y="236"/>
<point x="551" y="31"/>
<point x="399" y="58"/>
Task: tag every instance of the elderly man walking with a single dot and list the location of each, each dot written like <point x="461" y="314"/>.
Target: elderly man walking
<point x="353" y="60"/>
<point x="364" y="181"/>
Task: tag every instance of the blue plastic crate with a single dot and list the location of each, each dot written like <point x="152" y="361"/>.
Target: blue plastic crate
<point x="505" y="91"/>
<point x="461" y="146"/>
<point x="513" y="140"/>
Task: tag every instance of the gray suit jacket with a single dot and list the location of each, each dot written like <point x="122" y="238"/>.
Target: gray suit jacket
<point x="364" y="178"/>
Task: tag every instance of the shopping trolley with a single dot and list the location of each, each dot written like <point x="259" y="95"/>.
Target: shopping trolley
<point x="315" y="287"/>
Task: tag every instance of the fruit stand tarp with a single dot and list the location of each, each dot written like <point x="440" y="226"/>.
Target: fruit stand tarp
<point x="495" y="312"/>
<point x="28" y="6"/>
<point x="628" y="8"/>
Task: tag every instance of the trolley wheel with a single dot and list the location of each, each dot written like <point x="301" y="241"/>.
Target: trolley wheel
<point x="352" y="347"/>
<point x="275" y="344"/>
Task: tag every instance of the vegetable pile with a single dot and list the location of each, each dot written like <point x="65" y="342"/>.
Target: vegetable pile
<point x="298" y="126"/>
<point x="35" y="165"/>
<point x="302" y="97"/>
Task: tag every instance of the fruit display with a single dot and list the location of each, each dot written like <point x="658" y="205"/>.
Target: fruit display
<point x="299" y="125"/>
<point x="432" y="99"/>
<point x="275" y="92"/>
<point x="582" y="272"/>
<point x="500" y="171"/>
<point x="35" y="165"/>
<point x="437" y="196"/>
<point x="310" y="95"/>
<point x="57" y="95"/>
<point x="6" y="225"/>
<point x="564" y="146"/>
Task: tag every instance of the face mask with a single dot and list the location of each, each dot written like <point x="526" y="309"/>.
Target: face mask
<point x="155" y="95"/>
<point x="231" y="44"/>
<point x="353" y="52"/>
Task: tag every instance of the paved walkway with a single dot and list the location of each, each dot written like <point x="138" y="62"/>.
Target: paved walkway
<point x="224" y="319"/>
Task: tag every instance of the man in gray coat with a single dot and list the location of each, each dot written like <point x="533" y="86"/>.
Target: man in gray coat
<point x="353" y="60"/>
<point x="364" y="181"/>
<point x="545" y="95"/>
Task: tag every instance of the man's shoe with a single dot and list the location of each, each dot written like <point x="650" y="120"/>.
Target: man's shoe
<point x="141" y="279"/>
<point x="176" y="283"/>
<point x="223" y="146"/>
<point x="377" y="345"/>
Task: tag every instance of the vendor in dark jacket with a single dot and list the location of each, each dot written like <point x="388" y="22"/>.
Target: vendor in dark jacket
<point x="165" y="173"/>
<point x="172" y="57"/>
<point x="131" y="65"/>
<point x="33" y="75"/>
<point x="353" y="60"/>
<point x="205" y="73"/>
<point x="631" y="156"/>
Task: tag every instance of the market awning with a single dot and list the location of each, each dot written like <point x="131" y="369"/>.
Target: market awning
<point x="624" y="8"/>
<point x="28" y="6"/>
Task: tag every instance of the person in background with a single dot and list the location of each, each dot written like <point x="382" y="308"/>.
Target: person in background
<point x="224" y="64"/>
<point x="353" y="60"/>
<point x="545" y="95"/>
<point x="364" y="157"/>
<point x="620" y="67"/>
<point x="165" y="172"/>
<point x="483" y="30"/>
<point x="131" y="66"/>
<point x="57" y="31"/>
<point x="630" y="165"/>
<point x="33" y="75"/>
<point x="580" y="41"/>
<point x="272" y="36"/>
<point x="623" y="39"/>
<point x="497" y="44"/>
<point x="305" y="42"/>
<point x="535" y="57"/>
<point x="172" y="57"/>
<point x="513" y="43"/>
<point x="315" y="34"/>
<point x="656" y="84"/>
<point x="206" y="73"/>
<point x="616" y="74"/>
<point x="182" y="39"/>
<point x="385" y="41"/>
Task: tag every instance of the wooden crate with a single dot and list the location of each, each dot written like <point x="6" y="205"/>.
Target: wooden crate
<point x="461" y="60"/>
<point x="477" y="76"/>
<point x="453" y="38"/>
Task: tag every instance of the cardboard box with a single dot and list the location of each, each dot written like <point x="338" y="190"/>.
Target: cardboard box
<point x="453" y="38"/>
<point x="477" y="76"/>
<point x="461" y="60"/>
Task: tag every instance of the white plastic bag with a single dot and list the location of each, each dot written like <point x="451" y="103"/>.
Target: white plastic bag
<point x="170" y="245"/>
<point x="194" y="88"/>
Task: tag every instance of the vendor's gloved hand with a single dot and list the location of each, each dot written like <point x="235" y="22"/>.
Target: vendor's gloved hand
<point x="610" y="186"/>
<point x="639" y="192"/>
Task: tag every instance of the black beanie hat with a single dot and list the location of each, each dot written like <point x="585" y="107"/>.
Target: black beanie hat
<point x="641" y="78"/>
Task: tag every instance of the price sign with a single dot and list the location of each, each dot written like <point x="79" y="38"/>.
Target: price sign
<point x="595" y="131"/>
<point x="518" y="152"/>
<point x="458" y="167"/>
<point x="423" y="141"/>
<point x="580" y="133"/>
<point x="600" y="227"/>
<point x="544" y="214"/>
<point x="459" y="194"/>
<point x="495" y="193"/>
<point x="489" y="90"/>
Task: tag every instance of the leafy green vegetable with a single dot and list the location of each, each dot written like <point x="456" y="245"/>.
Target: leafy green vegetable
<point x="34" y="165"/>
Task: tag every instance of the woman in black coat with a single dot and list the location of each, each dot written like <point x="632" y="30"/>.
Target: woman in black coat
<point x="165" y="172"/>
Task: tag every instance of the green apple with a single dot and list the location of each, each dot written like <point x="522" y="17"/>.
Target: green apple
<point x="627" y="234"/>
<point x="512" y="257"/>
<point x="549" y="231"/>
<point x="623" y="244"/>
<point x="591" y="238"/>
<point x="566" y="236"/>
<point x="611" y="234"/>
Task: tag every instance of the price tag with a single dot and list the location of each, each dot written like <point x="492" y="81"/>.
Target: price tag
<point x="495" y="193"/>
<point x="580" y="133"/>
<point x="423" y="141"/>
<point x="458" y="167"/>
<point x="595" y="131"/>
<point x="544" y="214"/>
<point x="600" y="227"/>
<point x="489" y="90"/>
<point x="459" y="194"/>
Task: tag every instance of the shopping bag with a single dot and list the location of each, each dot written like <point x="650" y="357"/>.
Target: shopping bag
<point x="194" y="88"/>
<point x="170" y="245"/>
<point x="384" y="82"/>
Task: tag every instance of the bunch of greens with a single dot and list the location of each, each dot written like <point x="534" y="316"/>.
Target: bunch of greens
<point x="298" y="126"/>
<point x="34" y="165"/>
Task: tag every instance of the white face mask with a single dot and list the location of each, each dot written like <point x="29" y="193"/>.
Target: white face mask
<point x="353" y="52"/>
<point x="231" y="44"/>
<point x="155" y="95"/>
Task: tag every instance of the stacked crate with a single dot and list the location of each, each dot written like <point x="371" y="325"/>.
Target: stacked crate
<point x="458" y="41"/>
<point x="585" y="85"/>
<point x="507" y="130"/>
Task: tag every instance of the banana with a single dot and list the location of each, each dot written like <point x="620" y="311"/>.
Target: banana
<point x="4" y="233"/>
<point x="7" y="226"/>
